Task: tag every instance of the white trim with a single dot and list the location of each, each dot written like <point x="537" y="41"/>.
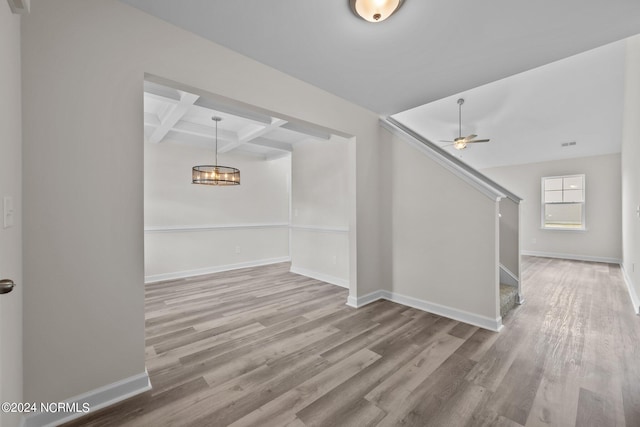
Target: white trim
<point x="210" y="227"/>
<point x="431" y="307"/>
<point x="352" y="301"/>
<point x="338" y="281"/>
<point x="290" y="194"/>
<point x="632" y="290"/>
<point x="543" y="203"/>
<point x="205" y="227"/>
<point x="356" y="302"/>
<point x="508" y="277"/>
<point x="467" y="176"/>
<point x="215" y="269"/>
<point x="98" y="398"/>
<point x="572" y="230"/>
<point x="457" y="171"/>
<point x="320" y="228"/>
<point x="573" y="257"/>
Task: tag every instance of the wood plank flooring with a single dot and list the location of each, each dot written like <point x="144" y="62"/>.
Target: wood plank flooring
<point x="264" y="347"/>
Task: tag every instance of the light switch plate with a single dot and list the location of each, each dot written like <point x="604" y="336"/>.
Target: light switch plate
<point x="7" y="211"/>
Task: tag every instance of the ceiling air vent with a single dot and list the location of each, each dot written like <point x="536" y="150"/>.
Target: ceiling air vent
<point x="19" y="6"/>
<point x="568" y="144"/>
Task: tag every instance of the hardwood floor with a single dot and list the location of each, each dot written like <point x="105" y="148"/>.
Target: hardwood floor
<point x="264" y="347"/>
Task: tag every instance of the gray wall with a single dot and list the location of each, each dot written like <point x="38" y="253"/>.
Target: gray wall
<point x="443" y="247"/>
<point x="603" y="238"/>
<point x="320" y="210"/>
<point x="83" y="69"/>
<point x="197" y="229"/>
<point x="510" y="235"/>
<point x="10" y="238"/>
<point x="631" y="170"/>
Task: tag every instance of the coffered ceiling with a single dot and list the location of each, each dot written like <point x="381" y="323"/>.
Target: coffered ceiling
<point x="176" y="116"/>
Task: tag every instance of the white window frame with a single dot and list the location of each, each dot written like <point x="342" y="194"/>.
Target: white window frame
<point x="543" y="203"/>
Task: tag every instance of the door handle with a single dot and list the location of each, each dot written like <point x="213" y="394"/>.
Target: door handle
<point x="6" y="286"/>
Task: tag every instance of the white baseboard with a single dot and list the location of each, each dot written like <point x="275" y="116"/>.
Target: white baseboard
<point x="573" y="257"/>
<point x="632" y="290"/>
<point x="96" y="399"/>
<point x="343" y="283"/>
<point x="216" y="269"/>
<point x="352" y="301"/>
<point x="431" y="307"/>
<point x="366" y="299"/>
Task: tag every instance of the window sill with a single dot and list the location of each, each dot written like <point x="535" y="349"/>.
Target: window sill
<point x="579" y="230"/>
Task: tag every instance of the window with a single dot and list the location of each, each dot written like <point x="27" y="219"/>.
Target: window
<point x="563" y="202"/>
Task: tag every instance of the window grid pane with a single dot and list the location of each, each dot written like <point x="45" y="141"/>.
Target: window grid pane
<point x="551" y="184"/>
<point x="572" y="183"/>
<point x="553" y="196"/>
<point x="563" y="202"/>
<point x="572" y="196"/>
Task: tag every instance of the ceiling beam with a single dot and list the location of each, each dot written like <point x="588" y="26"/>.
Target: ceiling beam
<point x="308" y="130"/>
<point x="160" y="98"/>
<point x="234" y="111"/>
<point x="161" y="92"/>
<point x="270" y="143"/>
<point x="276" y="155"/>
<point x="252" y="132"/>
<point x="205" y="131"/>
<point x="151" y="119"/>
<point x="173" y="116"/>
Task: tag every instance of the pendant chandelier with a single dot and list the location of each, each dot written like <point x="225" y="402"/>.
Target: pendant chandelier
<point x="215" y="174"/>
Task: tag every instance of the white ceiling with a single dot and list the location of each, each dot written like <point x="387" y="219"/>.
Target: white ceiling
<point x="528" y="116"/>
<point x="429" y="50"/>
<point x="180" y="117"/>
<point x="417" y="64"/>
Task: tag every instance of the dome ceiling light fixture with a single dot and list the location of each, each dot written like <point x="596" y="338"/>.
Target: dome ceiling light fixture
<point x="375" y="10"/>
<point x="215" y="174"/>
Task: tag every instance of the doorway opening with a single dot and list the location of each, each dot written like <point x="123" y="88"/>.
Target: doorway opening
<point x="292" y="204"/>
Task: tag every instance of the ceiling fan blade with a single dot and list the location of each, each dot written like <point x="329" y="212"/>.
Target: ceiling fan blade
<point x="478" y="140"/>
<point x="445" y="145"/>
<point x="445" y="140"/>
<point x="470" y="137"/>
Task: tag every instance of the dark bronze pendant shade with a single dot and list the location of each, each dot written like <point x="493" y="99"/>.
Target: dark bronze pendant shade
<point x="215" y="174"/>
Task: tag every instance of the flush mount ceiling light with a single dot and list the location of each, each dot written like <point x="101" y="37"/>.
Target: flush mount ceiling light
<point x="375" y="10"/>
<point x="215" y="174"/>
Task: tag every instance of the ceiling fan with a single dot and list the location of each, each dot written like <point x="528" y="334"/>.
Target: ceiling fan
<point x="460" y="143"/>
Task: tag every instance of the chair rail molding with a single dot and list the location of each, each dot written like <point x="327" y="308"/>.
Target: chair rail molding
<point x="211" y="227"/>
<point x="320" y="228"/>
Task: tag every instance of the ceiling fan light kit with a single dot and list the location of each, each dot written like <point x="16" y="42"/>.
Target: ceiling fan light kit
<point x="215" y="174"/>
<point x="375" y="10"/>
<point x="460" y="143"/>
